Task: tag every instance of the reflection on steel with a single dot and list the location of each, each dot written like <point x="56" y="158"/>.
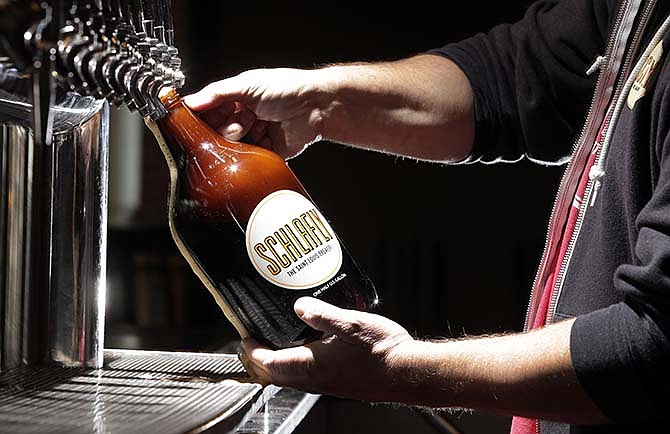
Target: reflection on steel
<point x="79" y="236"/>
<point x="16" y="143"/>
<point x="53" y="233"/>
<point x="281" y="414"/>
<point x="135" y="392"/>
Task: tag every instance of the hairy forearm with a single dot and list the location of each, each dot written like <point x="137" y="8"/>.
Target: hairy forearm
<point x="419" y="107"/>
<point x="527" y="374"/>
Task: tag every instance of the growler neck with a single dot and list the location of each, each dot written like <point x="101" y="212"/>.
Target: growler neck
<point x="169" y="97"/>
<point x="188" y="130"/>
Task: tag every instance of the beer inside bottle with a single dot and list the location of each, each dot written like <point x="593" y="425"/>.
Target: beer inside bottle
<point x="250" y="231"/>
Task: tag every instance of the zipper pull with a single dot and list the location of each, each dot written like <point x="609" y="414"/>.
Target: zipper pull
<point x="597" y="64"/>
<point x="596" y="174"/>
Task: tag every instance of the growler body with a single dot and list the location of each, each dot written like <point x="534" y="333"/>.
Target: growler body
<point x="251" y="233"/>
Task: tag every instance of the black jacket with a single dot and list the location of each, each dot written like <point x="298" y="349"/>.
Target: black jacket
<point x="535" y="100"/>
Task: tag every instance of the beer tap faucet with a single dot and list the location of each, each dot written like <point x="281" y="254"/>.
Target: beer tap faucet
<point x="171" y="61"/>
<point x="44" y="39"/>
<point x="124" y="71"/>
<point x="111" y="70"/>
<point x="87" y="56"/>
<point x="74" y="40"/>
<point x="104" y="21"/>
<point x="29" y="36"/>
<point x="35" y="53"/>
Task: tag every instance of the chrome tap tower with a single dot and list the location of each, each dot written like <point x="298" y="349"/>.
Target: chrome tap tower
<point x="61" y="64"/>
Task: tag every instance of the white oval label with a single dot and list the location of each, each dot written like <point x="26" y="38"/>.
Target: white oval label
<point x="290" y="243"/>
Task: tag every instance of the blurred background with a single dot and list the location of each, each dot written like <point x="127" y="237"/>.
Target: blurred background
<point x="452" y="250"/>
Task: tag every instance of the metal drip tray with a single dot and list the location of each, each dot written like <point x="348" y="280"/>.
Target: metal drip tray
<point x="135" y="392"/>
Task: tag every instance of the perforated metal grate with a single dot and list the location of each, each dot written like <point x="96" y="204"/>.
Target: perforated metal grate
<point x="135" y="392"/>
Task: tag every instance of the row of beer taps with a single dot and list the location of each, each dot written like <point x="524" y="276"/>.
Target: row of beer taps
<point x="120" y="50"/>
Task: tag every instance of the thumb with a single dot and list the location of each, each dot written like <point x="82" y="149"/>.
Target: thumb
<point x="213" y="95"/>
<point x="325" y="317"/>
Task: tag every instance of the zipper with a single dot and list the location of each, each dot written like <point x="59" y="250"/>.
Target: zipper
<point x="560" y="275"/>
<point x="596" y="172"/>
<point x="613" y="53"/>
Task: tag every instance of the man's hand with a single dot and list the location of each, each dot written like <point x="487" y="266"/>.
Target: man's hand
<point x="354" y="360"/>
<point x="371" y="358"/>
<point x="273" y="108"/>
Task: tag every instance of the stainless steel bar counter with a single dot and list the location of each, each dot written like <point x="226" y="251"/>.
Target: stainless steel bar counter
<point x="148" y="392"/>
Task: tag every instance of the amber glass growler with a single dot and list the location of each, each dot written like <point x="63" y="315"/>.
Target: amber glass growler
<point x="250" y="231"/>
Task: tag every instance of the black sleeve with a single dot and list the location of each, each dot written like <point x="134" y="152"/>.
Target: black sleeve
<point x="621" y="354"/>
<point x="529" y="79"/>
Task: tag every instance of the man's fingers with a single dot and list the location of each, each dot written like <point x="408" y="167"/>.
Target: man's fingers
<point x="327" y="318"/>
<point x="287" y="367"/>
<point x="219" y="115"/>
<point x="237" y="125"/>
<point x="254" y="366"/>
<point x="202" y="100"/>
<point x="257" y="131"/>
<point x="231" y="120"/>
<point x="256" y="352"/>
<point x="213" y="95"/>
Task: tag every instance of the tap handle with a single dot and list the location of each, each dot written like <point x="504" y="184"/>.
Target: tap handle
<point x="96" y="21"/>
<point x="169" y="22"/>
<point x="113" y="7"/>
<point x="43" y="39"/>
<point x="137" y="17"/>
<point x="159" y="18"/>
<point x="148" y="17"/>
<point x="16" y="18"/>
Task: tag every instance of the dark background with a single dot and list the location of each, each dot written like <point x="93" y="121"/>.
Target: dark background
<point x="452" y="249"/>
